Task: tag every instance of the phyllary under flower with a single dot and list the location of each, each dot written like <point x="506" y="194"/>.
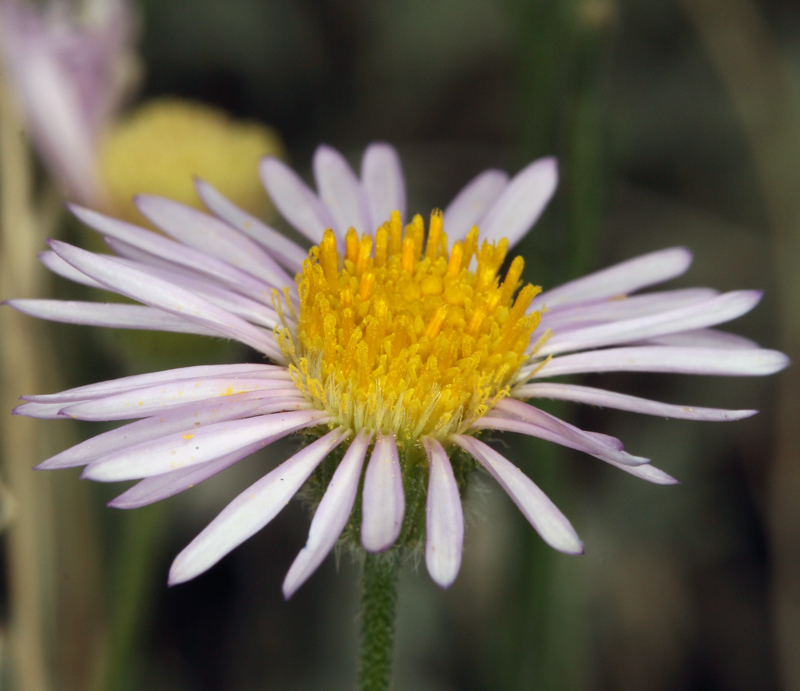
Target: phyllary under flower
<point x="393" y="349"/>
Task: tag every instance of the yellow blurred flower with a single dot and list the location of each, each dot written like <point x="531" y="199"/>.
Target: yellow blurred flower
<point x="160" y="147"/>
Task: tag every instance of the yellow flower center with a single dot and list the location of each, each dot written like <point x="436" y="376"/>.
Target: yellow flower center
<point x="400" y="335"/>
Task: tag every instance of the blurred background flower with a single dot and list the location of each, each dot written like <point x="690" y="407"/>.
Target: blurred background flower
<point x="675" y="122"/>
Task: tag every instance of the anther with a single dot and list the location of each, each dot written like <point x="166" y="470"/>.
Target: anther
<point x="512" y="278"/>
<point x="454" y="264"/>
<point x="435" y="325"/>
<point x="351" y="245"/>
<point x="434" y="233"/>
<point x="364" y="252"/>
<point x="395" y="233"/>
<point x="381" y="245"/>
<point x="470" y="246"/>
<point x="365" y="287"/>
<point x="407" y="261"/>
<point x="416" y="231"/>
<point x="328" y="258"/>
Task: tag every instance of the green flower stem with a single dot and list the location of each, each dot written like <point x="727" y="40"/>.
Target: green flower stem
<point x="378" y="608"/>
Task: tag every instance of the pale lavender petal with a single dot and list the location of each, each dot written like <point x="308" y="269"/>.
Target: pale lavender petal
<point x="244" y="307"/>
<point x="113" y="315"/>
<point x="543" y="515"/>
<point x="158" y="487"/>
<point x="58" y="266"/>
<point x="649" y="473"/>
<point x="612" y="309"/>
<point x="137" y="381"/>
<point x="644" y="471"/>
<point x="167" y="296"/>
<point x="444" y="526"/>
<point x="610" y="399"/>
<point x="251" y="510"/>
<point x="717" y="361"/>
<point x="206" y="443"/>
<point x="717" y="310"/>
<point x="472" y="202"/>
<point x="331" y="515"/>
<point x="160" y="398"/>
<point x="175" y="253"/>
<point x="41" y="411"/>
<point x="212" y="236"/>
<point x="183" y="419"/>
<point x="384" y="182"/>
<point x="564" y="436"/>
<point x="704" y="338"/>
<point x="620" y="279"/>
<point x="383" y="501"/>
<point x="278" y="245"/>
<point x="296" y="202"/>
<point x="521" y="203"/>
<point x="341" y="192"/>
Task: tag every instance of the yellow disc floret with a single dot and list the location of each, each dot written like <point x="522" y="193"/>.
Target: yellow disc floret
<point x="406" y="337"/>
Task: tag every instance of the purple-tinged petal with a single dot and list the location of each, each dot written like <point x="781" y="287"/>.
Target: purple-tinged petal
<point x="649" y="473"/>
<point x="212" y="236"/>
<point x="244" y="307"/>
<point x="170" y="376"/>
<point x="610" y="399"/>
<point x="716" y="361"/>
<point x="167" y="296"/>
<point x="384" y="182"/>
<point x="542" y="514"/>
<point x="296" y="202"/>
<point x="472" y="202"/>
<point x="564" y="436"/>
<point x="383" y="503"/>
<point x="158" y="487"/>
<point x="206" y="443"/>
<point x="41" y="411"/>
<point x="612" y="309"/>
<point x="620" y="279"/>
<point x="183" y="419"/>
<point x="173" y="252"/>
<point x="160" y="398"/>
<point x="113" y="315"/>
<point x="444" y="523"/>
<point x="341" y="192"/>
<point x="331" y="515"/>
<point x="278" y="245"/>
<point x="716" y="310"/>
<point x="521" y="203"/>
<point x="251" y="510"/>
<point x="59" y="267"/>
<point x="703" y="338"/>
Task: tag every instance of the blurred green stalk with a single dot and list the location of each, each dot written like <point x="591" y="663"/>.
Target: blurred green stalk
<point x="133" y="583"/>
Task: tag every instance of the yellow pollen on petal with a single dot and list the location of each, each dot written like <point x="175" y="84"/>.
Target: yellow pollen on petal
<point x="400" y="335"/>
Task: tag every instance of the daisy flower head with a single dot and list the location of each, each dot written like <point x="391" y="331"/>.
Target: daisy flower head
<point x="393" y="346"/>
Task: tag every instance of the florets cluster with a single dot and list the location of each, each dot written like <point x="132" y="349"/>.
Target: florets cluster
<point x="407" y="338"/>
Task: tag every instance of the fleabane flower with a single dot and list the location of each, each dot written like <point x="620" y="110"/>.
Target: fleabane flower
<point x="393" y="350"/>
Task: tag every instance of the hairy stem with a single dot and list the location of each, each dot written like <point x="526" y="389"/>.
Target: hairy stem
<point x="378" y="607"/>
